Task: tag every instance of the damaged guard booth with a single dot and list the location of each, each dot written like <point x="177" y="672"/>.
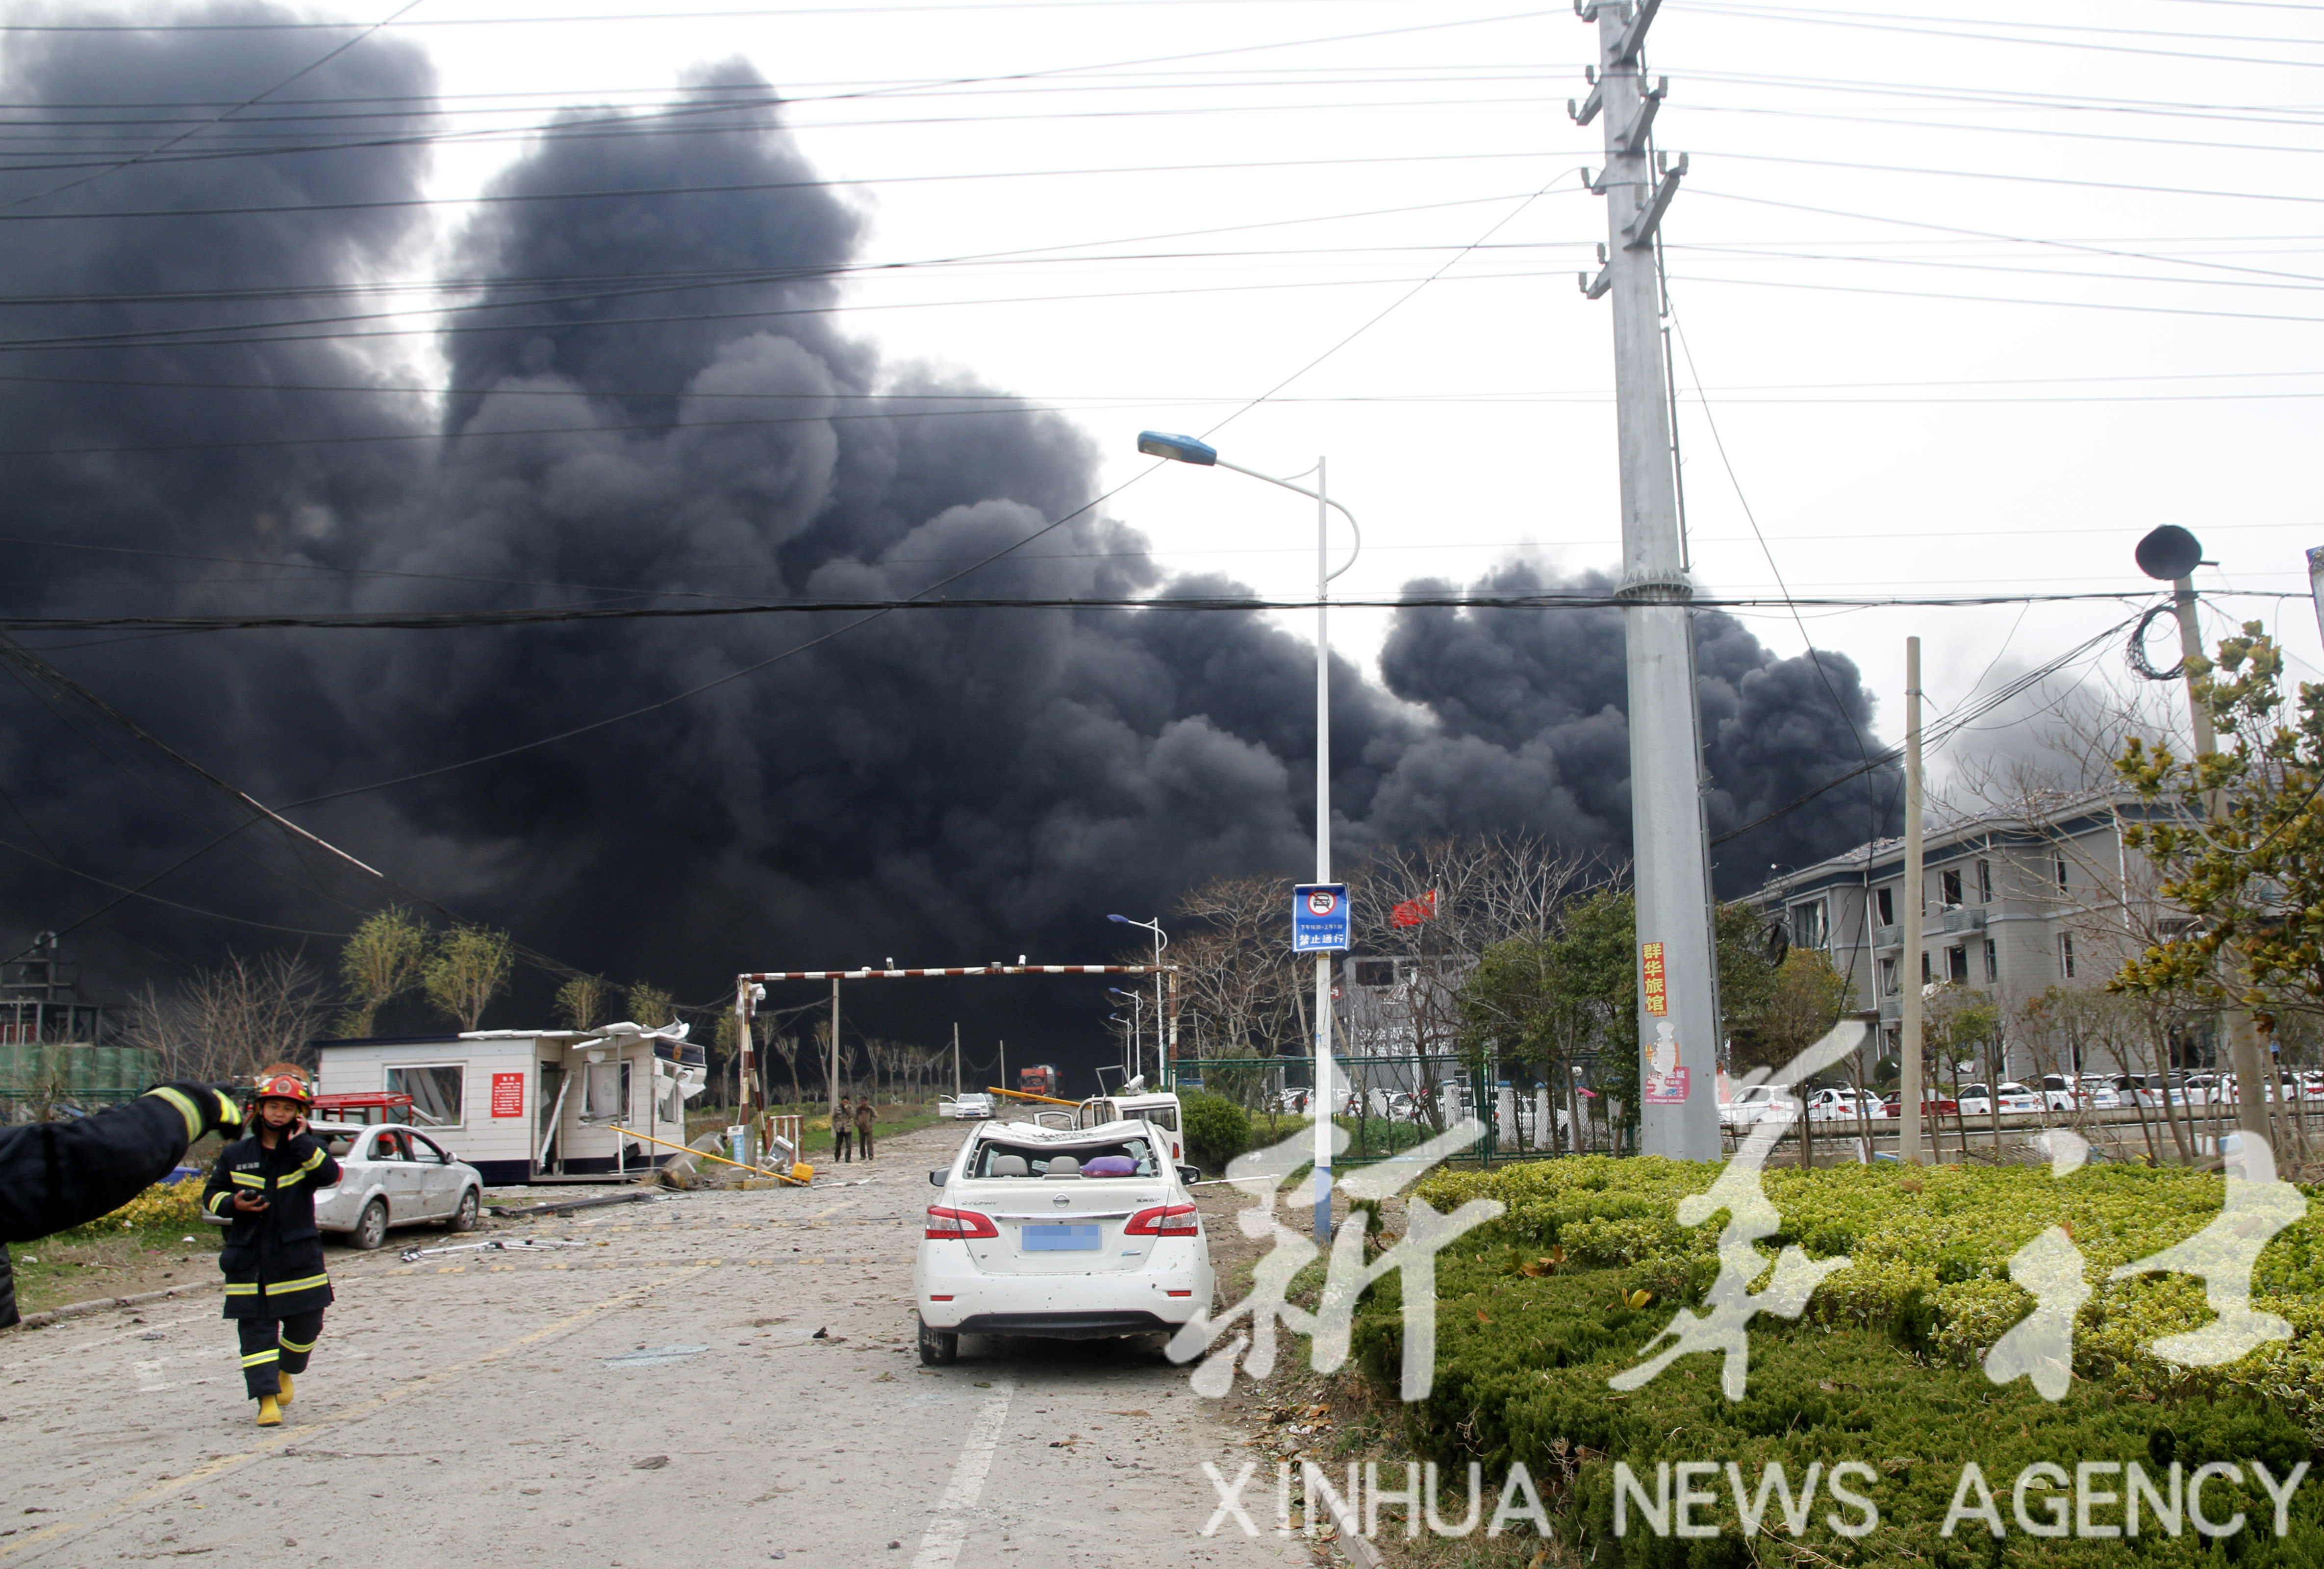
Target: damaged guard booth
<point x="533" y="1105"/>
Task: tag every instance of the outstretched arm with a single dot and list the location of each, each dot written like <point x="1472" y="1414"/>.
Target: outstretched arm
<point x="56" y="1174"/>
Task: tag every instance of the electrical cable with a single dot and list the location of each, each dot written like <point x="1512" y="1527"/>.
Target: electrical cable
<point x="737" y="187"/>
<point x="538" y="616"/>
<point x="304" y="71"/>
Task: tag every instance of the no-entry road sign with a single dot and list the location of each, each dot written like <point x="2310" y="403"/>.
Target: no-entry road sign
<point x="1319" y="917"/>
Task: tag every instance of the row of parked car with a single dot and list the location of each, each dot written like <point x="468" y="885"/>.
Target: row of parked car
<point x="2057" y="1093"/>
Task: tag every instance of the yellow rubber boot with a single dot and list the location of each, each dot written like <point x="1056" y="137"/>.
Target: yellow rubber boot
<point x="269" y="1412"/>
<point x="285" y="1398"/>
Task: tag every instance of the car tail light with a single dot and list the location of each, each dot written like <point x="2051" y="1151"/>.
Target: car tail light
<point x="958" y="1225"/>
<point x="1167" y="1219"/>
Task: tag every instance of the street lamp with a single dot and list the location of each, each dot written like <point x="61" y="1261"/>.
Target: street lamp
<point x="1161" y="941"/>
<point x="1137" y="1031"/>
<point x="1187" y="449"/>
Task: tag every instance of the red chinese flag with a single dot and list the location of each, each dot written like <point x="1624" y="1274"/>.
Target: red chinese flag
<point x="1413" y="911"/>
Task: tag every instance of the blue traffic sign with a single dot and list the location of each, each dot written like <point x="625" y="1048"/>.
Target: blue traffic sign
<point x="1319" y="917"/>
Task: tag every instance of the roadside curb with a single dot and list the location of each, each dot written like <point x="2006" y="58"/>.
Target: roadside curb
<point x="47" y="1317"/>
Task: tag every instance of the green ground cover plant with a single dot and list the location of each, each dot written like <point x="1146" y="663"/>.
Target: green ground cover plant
<point x="1538" y="1310"/>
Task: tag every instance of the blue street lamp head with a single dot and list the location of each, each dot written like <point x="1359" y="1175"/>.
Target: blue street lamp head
<point x="1122" y="918"/>
<point x="1178" y="448"/>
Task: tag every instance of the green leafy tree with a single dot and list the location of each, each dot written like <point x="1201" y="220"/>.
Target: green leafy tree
<point x="651" y="1006"/>
<point x="1571" y="993"/>
<point x="466" y="969"/>
<point x="581" y="1001"/>
<point x="380" y="963"/>
<point x="1805" y="997"/>
<point x="2237" y="841"/>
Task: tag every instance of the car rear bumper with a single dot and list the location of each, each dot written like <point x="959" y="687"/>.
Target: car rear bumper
<point x="1066" y="1326"/>
<point x="951" y="1292"/>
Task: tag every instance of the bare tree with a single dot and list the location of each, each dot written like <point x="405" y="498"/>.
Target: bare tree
<point x="1236" y="973"/>
<point x="230" y="1021"/>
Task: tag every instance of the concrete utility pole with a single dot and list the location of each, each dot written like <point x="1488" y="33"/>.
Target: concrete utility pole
<point x="955" y="1059"/>
<point x="1908" y="956"/>
<point x="833" y="1093"/>
<point x="1678" y="1018"/>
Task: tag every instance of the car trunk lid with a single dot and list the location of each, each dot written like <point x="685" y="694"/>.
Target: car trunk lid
<point x="1063" y="1227"/>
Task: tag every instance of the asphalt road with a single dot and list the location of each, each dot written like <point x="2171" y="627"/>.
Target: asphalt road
<point x="656" y="1398"/>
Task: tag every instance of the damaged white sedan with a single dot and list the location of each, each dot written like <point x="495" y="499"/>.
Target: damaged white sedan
<point x="1069" y="1234"/>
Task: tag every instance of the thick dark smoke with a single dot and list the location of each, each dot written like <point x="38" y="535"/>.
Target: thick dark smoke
<point x="653" y="396"/>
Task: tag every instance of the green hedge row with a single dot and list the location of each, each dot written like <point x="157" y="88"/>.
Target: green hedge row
<point x="1534" y="1316"/>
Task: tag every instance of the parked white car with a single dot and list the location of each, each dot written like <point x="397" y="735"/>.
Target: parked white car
<point x="391" y="1176"/>
<point x="1977" y="1101"/>
<point x="2144" y="1089"/>
<point x="968" y="1108"/>
<point x="1841" y="1105"/>
<point x="2094" y="1091"/>
<point x="394" y="1177"/>
<point x="1760" y="1100"/>
<point x="1064" y="1233"/>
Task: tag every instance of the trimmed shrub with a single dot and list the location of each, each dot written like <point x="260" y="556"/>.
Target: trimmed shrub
<point x="164" y="1207"/>
<point x="1538" y="1310"/>
<point x="1217" y="1129"/>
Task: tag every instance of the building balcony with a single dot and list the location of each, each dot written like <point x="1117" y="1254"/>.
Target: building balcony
<point x="1891" y="1008"/>
<point x="1888" y="936"/>
<point x="1968" y="917"/>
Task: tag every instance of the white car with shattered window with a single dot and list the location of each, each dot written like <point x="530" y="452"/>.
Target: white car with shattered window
<point x="391" y="1176"/>
<point x="1064" y="1233"/>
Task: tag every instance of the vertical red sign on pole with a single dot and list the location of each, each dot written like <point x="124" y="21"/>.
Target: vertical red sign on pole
<point x="1656" y="988"/>
<point x="508" y="1094"/>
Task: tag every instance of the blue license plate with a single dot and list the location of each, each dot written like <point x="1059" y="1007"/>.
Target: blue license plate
<point x="1064" y="1239"/>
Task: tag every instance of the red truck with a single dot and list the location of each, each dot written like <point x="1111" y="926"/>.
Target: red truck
<point x="1037" y="1081"/>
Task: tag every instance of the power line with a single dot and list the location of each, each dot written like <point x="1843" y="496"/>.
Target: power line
<point x="155" y="151"/>
<point x="495" y="198"/>
<point x="544" y="616"/>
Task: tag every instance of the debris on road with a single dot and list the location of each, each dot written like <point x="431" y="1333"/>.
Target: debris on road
<point x="516" y="1245"/>
<point x="567" y="1205"/>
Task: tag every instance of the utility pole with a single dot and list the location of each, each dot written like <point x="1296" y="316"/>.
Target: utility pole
<point x="1678" y="1020"/>
<point x="1004" y="1065"/>
<point x="834" y="1053"/>
<point x="955" y="1059"/>
<point x="1908" y="956"/>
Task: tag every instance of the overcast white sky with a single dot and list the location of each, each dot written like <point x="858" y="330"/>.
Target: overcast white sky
<point x="1974" y="299"/>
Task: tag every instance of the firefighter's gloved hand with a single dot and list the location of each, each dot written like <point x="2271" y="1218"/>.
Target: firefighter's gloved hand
<point x="207" y="1108"/>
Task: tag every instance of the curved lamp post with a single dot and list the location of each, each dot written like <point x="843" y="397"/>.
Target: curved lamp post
<point x="1187" y="449"/>
<point x="1161" y="941"/>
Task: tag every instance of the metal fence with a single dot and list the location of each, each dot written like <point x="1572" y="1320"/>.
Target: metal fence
<point x="38" y="1073"/>
<point x="1391" y="1102"/>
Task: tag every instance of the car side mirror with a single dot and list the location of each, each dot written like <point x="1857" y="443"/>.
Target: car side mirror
<point x="1190" y="1174"/>
<point x="937" y="1178"/>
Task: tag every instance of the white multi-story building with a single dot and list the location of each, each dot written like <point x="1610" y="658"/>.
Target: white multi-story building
<point x="2013" y="903"/>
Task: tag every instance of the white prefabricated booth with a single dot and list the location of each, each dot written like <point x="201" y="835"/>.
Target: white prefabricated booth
<point x="533" y="1105"/>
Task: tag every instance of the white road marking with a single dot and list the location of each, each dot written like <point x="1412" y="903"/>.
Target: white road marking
<point x="949" y="1529"/>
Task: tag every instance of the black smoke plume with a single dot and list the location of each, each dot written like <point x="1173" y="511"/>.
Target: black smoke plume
<point x="651" y="393"/>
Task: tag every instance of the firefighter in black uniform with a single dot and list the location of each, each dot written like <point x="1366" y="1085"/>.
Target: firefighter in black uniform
<point x="58" y="1174"/>
<point x="276" y="1287"/>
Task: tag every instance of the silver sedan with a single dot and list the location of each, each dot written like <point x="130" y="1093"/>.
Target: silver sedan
<point x="394" y="1176"/>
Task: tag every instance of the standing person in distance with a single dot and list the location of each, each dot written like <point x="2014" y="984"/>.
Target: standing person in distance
<point x="863" y="1126"/>
<point x="843" y="1130"/>
<point x="276" y="1287"/>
